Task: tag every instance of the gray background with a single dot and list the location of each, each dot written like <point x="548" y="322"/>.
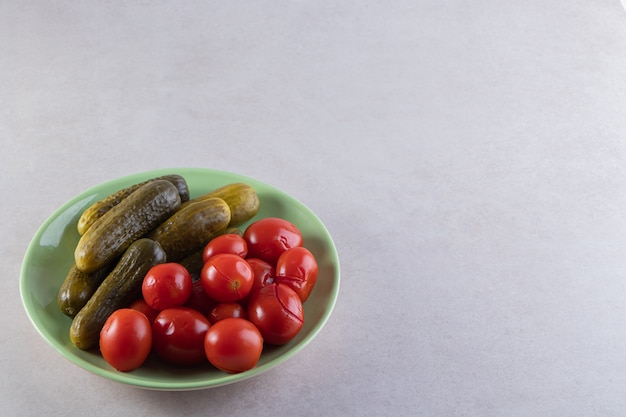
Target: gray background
<point x="467" y="157"/>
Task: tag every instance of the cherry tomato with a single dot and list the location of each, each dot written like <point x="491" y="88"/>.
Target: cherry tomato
<point x="166" y="285"/>
<point x="226" y="310"/>
<point x="141" y="305"/>
<point x="233" y="345"/>
<point x="178" y="335"/>
<point x="297" y="268"/>
<point x="199" y="299"/>
<point x="227" y="277"/>
<point x="263" y="275"/>
<point x="276" y="310"/>
<point x="228" y="243"/>
<point x="269" y="237"/>
<point x="126" y="339"/>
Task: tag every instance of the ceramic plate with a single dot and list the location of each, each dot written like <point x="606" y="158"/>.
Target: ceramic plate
<point x="50" y="255"/>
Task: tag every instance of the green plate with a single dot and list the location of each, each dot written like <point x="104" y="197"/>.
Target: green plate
<point x="51" y="251"/>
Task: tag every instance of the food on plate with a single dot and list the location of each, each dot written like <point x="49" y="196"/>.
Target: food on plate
<point x="269" y="237"/>
<point x="242" y="199"/>
<point x="78" y="287"/>
<point x="126" y="339"/>
<point x="297" y="268"/>
<point x="131" y="219"/>
<point x="233" y="345"/>
<point x="118" y="290"/>
<point x="188" y="229"/>
<point x="178" y="335"/>
<point x="227" y="277"/>
<point x="157" y="271"/>
<point x="166" y="285"/>
<point x="226" y="243"/>
<point x="276" y="310"/>
<point x="97" y="209"/>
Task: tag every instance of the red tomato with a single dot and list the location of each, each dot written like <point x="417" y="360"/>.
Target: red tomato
<point x="166" y="285"/>
<point x="126" y="339"/>
<point x="141" y="305"/>
<point x="199" y="300"/>
<point x="276" y="310"/>
<point x="233" y="345"/>
<point x="297" y="268"/>
<point x="263" y="275"/>
<point x="269" y="237"/>
<point x="226" y="310"/>
<point x="178" y="335"/>
<point x="228" y="243"/>
<point x="227" y="277"/>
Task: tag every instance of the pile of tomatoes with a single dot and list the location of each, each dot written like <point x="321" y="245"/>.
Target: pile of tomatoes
<point x="250" y="292"/>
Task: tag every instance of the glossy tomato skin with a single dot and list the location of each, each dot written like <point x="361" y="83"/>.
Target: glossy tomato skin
<point x="276" y="310"/>
<point x="269" y="237"/>
<point x="233" y="345"/>
<point x="166" y="285"/>
<point x="227" y="243"/>
<point x="178" y="335"/>
<point x="142" y="306"/>
<point x="297" y="268"/>
<point x="227" y="277"/>
<point x="263" y="275"/>
<point x="227" y="310"/>
<point x="126" y="339"/>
